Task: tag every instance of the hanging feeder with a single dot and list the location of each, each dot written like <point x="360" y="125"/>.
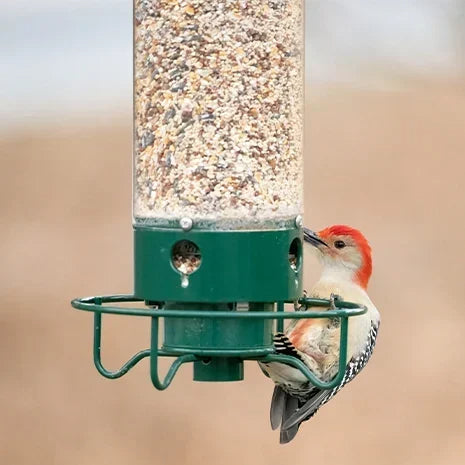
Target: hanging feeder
<point x="218" y="188"/>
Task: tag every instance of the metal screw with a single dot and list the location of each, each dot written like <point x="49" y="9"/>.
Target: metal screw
<point x="186" y="223"/>
<point x="299" y="221"/>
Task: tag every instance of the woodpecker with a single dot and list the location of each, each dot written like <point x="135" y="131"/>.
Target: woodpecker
<point x="346" y="258"/>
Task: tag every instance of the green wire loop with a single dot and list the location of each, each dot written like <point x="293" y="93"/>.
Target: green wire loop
<point x="97" y="357"/>
<point x="153" y="352"/>
<point x="186" y="358"/>
<point x="95" y="304"/>
<point x="341" y="310"/>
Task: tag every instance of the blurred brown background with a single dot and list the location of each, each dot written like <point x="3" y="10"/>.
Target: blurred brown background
<point x="386" y="159"/>
<point x="388" y="162"/>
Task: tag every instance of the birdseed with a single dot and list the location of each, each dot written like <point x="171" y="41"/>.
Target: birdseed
<point x="186" y="257"/>
<point x="293" y="262"/>
<point x="218" y="106"/>
<point x="186" y="265"/>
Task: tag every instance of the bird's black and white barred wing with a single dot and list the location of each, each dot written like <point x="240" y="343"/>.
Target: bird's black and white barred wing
<point x="317" y="397"/>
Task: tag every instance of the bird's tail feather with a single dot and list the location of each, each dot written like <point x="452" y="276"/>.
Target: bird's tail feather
<point x="288" y="434"/>
<point x="283" y="406"/>
<point x="306" y="411"/>
<point x="278" y="405"/>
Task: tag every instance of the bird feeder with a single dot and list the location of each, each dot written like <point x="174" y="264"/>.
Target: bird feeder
<point x="218" y="191"/>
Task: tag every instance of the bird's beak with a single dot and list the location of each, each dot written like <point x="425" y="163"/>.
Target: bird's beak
<point x="313" y="238"/>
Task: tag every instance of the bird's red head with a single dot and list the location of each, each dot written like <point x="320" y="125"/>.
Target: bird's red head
<point x="344" y="247"/>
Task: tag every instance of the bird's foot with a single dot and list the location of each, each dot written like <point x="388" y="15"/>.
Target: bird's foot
<point x="332" y="300"/>
<point x="297" y="306"/>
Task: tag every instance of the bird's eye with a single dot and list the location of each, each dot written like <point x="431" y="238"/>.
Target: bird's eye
<point x="339" y="244"/>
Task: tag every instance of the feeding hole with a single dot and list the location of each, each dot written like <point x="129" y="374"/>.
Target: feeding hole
<point x="186" y="257"/>
<point x="295" y="254"/>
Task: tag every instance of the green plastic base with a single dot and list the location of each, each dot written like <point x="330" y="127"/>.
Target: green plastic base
<point x="207" y="337"/>
<point x="210" y="337"/>
<point x="219" y="369"/>
<point x="236" y="266"/>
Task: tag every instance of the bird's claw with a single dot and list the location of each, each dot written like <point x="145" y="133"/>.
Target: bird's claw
<point x="300" y="307"/>
<point x="332" y="301"/>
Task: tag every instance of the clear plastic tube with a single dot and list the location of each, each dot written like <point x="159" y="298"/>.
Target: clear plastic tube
<point x="218" y="110"/>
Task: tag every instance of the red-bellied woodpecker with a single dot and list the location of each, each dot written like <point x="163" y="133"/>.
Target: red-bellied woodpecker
<point x="346" y="258"/>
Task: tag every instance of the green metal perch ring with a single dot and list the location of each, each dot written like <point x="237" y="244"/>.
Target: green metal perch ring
<point x="342" y="310"/>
